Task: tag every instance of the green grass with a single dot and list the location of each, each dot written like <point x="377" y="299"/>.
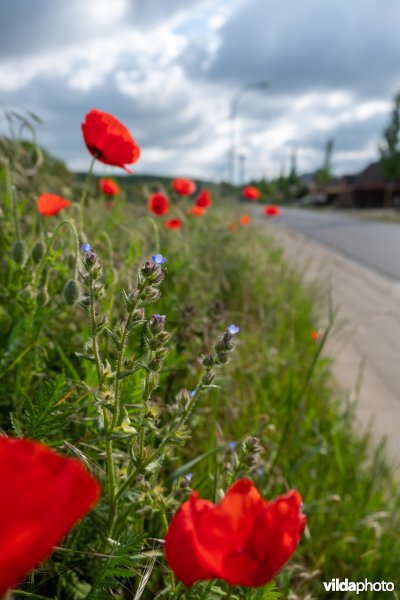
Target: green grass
<point x="277" y="387"/>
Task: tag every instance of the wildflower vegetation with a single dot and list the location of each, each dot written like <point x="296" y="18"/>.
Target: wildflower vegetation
<point x="170" y="356"/>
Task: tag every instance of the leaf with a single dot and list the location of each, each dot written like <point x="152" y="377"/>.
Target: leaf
<point x="187" y="466"/>
<point x="45" y="416"/>
<point x="119" y="565"/>
<point x="268" y="592"/>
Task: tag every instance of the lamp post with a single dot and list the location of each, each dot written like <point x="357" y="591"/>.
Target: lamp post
<point x="257" y="85"/>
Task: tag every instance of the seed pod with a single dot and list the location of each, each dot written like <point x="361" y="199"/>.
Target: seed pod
<point x="71" y="292"/>
<point x="18" y="252"/>
<point x="38" y="252"/>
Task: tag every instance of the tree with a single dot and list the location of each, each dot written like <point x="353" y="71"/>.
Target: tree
<point x="390" y="148"/>
<point x="324" y="174"/>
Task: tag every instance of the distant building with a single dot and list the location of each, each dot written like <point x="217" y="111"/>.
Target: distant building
<point x="367" y="189"/>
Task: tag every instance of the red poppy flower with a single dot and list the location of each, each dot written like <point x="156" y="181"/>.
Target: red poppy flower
<point x="204" y="199"/>
<point x="244" y="539"/>
<point x="184" y="187"/>
<point x="43" y="496"/>
<point x="232" y="227"/>
<point x="245" y="220"/>
<point x="109" y="187"/>
<point x="173" y="224"/>
<point x="108" y="140"/>
<point x="316" y="336"/>
<point x="51" y="204"/>
<point x="251" y="193"/>
<point x="272" y="211"/>
<point x="197" y="211"/>
<point x="158" y="204"/>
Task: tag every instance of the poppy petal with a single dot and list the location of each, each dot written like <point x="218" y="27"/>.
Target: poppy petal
<point x="182" y="550"/>
<point x="51" y="204"/>
<point x="43" y="496"/>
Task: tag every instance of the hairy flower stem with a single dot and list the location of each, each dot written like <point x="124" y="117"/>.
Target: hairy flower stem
<point x="156" y="234"/>
<point x="117" y="390"/>
<point x="146" y="398"/>
<point x="171" y="575"/>
<point x="49" y="246"/>
<point x="88" y="181"/>
<point x="14" y="212"/>
<point x="112" y="484"/>
<point x="93" y="328"/>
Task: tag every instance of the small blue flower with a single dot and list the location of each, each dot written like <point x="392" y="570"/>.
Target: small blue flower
<point x="233" y="329"/>
<point x="188" y="476"/>
<point x="232" y="445"/>
<point x="158" y="259"/>
<point x="163" y="317"/>
<point x="192" y="393"/>
<point x="86" y="247"/>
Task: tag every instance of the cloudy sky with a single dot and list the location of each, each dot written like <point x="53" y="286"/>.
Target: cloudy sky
<point x="169" y="70"/>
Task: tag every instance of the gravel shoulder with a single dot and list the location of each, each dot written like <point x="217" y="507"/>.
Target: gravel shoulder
<point x="365" y="345"/>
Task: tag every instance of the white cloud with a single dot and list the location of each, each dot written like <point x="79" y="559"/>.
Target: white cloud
<point x="169" y="70"/>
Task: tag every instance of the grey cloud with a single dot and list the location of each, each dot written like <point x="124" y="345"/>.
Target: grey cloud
<point x="29" y="27"/>
<point x="325" y="45"/>
<point x="63" y="109"/>
<point x="148" y="13"/>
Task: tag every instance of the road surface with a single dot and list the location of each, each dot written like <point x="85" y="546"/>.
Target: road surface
<point x="374" y="244"/>
<point x="356" y="264"/>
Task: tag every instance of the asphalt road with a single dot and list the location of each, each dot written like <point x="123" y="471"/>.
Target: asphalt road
<point x="355" y="265"/>
<point x="373" y="244"/>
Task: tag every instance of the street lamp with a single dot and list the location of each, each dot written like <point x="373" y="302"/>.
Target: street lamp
<point x="258" y="85"/>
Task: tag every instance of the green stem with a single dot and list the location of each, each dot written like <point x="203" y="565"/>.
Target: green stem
<point x="156" y="233"/>
<point x="94" y="334"/>
<point x="88" y="181"/>
<point x="146" y="398"/>
<point x="171" y="575"/>
<point x="85" y="191"/>
<point x="117" y="393"/>
<point x="8" y="195"/>
<point x="112" y="484"/>
<point x="14" y="212"/>
<point x="49" y="246"/>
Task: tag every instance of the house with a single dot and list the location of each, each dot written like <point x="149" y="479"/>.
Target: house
<point x="367" y="189"/>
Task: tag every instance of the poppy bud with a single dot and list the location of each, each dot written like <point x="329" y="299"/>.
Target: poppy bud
<point x="38" y="252"/>
<point x="18" y="252"/>
<point x="71" y="292"/>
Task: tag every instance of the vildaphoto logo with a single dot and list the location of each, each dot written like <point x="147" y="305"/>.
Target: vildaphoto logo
<point x="336" y="585"/>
